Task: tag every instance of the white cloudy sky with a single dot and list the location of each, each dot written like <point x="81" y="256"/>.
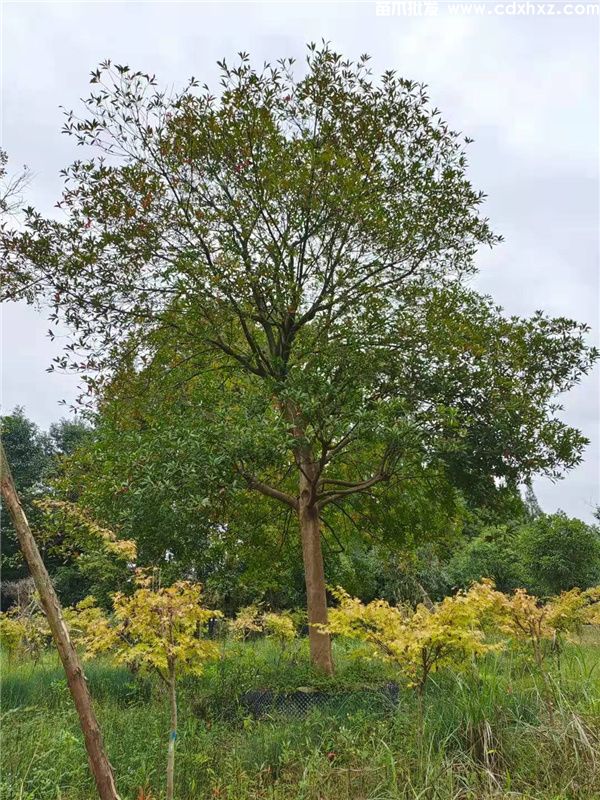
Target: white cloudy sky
<point x="525" y="87"/>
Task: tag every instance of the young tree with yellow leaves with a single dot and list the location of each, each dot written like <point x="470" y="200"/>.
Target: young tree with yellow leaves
<point x="14" y="634"/>
<point x="524" y="617"/>
<point x="253" y="620"/>
<point x="24" y="630"/>
<point x="279" y="626"/>
<point x="156" y="630"/>
<point x="419" y="642"/>
<point x="246" y="622"/>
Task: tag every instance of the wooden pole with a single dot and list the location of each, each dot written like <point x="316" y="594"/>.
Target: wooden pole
<point x="99" y="763"/>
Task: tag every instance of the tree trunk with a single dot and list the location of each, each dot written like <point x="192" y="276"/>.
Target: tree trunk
<point x="310" y="536"/>
<point x="314" y="576"/>
<point x="172" y="736"/>
<point x="99" y="764"/>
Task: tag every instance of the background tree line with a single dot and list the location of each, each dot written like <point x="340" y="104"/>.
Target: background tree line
<point x="414" y="549"/>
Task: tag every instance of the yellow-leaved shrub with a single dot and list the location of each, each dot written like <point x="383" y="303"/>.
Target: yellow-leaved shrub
<point x="417" y="642"/>
<point x="246" y="622"/>
<point x="523" y="617"/>
<point x="252" y="619"/>
<point x="12" y="634"/>
<point x="471" y="623"/>
<point x="24" y="631"/>
<point x="154" y="629"/>
<point x="279" y="626"/>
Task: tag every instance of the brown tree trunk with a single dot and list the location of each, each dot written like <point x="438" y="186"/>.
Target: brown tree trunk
<point x="99" y="764"/>
<point x="310" y="536"/>
<point x="316" y="598"/>
<point x="314" y="577"/>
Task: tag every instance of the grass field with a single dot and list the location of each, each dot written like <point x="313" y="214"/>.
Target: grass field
<point x="497" y="730"/>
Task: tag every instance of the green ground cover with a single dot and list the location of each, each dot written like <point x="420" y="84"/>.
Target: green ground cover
<point x="498" y="730"/>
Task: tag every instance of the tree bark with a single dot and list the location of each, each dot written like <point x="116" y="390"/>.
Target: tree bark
<point x="316" y="597"/>
<point x="314" y="573"/>
<point x="310" y="537"/>
<point x="98" y="761"/>
<point x="172" y="736"/>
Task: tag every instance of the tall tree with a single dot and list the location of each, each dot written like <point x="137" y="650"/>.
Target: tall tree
<point x="307" y="237"/>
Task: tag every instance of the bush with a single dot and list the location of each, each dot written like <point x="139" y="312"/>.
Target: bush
<point x="559" y="553"/>
<point x="494" y="554"/>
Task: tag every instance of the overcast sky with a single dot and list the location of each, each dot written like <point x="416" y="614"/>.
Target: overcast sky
<point x="525" y="87"/>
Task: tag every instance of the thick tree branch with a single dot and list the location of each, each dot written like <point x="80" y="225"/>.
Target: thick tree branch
<point x="331" y="496"/>
<point x="270" y="491"/>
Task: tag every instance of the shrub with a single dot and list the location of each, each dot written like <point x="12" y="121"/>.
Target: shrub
<point x="418" y="642"/>
<point x="279" y="626"/>
<point x="253" y="620"/>
<point x="524" y="617"/>
<point x="24" y="630"/>
<point x="247" y="621"/>
<point x="155" y="630"/>
<point x="559" y="554"/>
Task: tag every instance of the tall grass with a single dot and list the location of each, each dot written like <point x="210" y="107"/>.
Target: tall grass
<point x="495" y="731"/>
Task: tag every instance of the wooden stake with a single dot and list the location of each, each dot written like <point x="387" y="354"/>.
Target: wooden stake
<point x="99" y="764"/>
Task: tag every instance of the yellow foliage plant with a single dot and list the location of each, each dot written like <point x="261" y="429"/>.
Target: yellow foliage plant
<point x="252" y="619"/>
<point x="527" y="618"/>
<point x="24" y="631"/>
<point x="417" y="642"/>
<point x="157" y="630"/>
<point x="247" y="621"/>
<point x="279" y="626"/>
<point x="523" y="617"/>
<point x="12" y="634"/>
